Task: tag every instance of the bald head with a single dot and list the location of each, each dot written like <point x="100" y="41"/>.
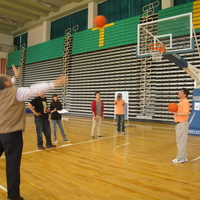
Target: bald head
<point x="42" y="94"/>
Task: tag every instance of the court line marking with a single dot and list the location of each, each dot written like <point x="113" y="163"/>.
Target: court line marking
<point x="163" y="140"/>
<point x="114" y="150"/>
<point x="171" y="142"/>
<point x="3" y="188"/>
<point x="84" y="142"/>
<point x="194" y="159"/>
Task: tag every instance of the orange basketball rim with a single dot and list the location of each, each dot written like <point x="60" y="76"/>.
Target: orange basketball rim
<point x="161" y="48"/>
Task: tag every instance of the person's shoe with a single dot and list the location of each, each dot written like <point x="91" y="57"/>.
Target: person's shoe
<point x="51" y="146"/>
<point x="100" y="136"/>
<point x="92" y="137"/>
<point x="55" y="141"/>
<point x="66" y="140"/>
<point x="41" y="148"/>
<point x="176" y="160"/>
<point x="117" y="132"/>
<point x="18" y="198"/>
<point x="123" y="133"/>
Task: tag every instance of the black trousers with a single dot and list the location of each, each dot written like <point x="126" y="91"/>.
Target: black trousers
<point x="11" y="144"/>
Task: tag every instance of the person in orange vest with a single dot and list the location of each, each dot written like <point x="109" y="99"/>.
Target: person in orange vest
<point x="181" y="120"/>
<point x="119" y="111"/>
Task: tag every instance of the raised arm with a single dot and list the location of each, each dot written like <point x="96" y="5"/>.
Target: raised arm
<point x="24" y="93"/>
<point x="17" y="72"/>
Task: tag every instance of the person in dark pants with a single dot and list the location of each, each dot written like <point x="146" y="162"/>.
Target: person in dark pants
<point x="39" y="107"/>
<point x="12" y="124"/>
<point x="11" y="144"/>
<point x="119" y="110"/>
<point x="56" y="118"/>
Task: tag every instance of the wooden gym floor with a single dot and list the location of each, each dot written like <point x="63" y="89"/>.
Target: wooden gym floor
<point x="135" y="166"/>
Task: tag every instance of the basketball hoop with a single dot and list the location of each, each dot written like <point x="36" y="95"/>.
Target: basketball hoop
<point x="159" y="49"/>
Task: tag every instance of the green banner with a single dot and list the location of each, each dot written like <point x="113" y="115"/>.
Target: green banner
<point x="114" y="34"/>
<point x="14" y="58"/>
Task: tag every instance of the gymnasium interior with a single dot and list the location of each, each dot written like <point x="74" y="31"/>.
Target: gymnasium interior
<point x="50" y="38"/>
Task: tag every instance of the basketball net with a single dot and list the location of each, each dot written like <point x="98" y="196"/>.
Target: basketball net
<point x="156" y="56"/>
<point x="156" y="51"/>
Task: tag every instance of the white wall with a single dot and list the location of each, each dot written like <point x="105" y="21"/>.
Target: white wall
<point x="35" y="36"/>
<point x="4" y="55"/>
<point x="6" y="39"/>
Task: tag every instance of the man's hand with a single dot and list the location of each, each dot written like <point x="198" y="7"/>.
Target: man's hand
<point x="16" y="71"/>
<point x="54" y="110"/>
<point x="37" y="114"/>
<point x="62" y="80"/>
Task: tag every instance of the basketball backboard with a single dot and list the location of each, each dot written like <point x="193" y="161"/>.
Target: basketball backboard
<point x="176" y="33"/>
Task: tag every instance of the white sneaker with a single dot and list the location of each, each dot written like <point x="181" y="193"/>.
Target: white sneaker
<point x="116" y="132"/>
<point x="176" y="160"/>
<point x="123" y="133"/>
<point x="55" y="141"/>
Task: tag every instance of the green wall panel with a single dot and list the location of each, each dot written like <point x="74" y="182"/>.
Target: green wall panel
<point x="14" y="58"/>
<point x="121" y="33"/>
<point x="45" y="51"/>
<point x="197" y="30"/>
<point x="177" y="26"/>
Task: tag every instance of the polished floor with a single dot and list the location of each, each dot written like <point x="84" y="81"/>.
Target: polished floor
<point x="136" y="166"/>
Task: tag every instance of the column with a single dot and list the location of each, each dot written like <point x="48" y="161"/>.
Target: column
<point x="167" y="3"/>
<point x="46" y="31"/>
<point x="92" y="13"/>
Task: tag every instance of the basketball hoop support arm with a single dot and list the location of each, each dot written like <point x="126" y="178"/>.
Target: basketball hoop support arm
<point x="151" y="34"/>
<point x="194" y="73"/>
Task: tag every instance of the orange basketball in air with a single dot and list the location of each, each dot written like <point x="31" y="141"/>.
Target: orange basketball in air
<point x="100" y="21"/>
<point x="173" y="107"/>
